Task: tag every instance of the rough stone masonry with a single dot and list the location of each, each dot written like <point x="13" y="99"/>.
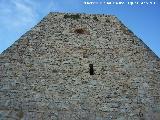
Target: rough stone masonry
<point x="79" y="67"/>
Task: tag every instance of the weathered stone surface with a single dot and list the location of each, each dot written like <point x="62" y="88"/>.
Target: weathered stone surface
<point x="45" y="74"/>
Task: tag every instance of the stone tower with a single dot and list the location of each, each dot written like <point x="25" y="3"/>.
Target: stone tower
<point x="79" y="67"/>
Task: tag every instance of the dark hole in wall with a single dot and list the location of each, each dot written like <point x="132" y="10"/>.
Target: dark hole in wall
<point x="80" y="31"/>
<point x="76" y="16"/>
<point x="91" y="70"/>
<point x="95" y="18"/>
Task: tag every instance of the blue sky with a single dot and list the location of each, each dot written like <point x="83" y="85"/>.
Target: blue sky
<point x="18" y="16"/>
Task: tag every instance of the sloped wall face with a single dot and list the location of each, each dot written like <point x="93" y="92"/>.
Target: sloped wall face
<point x="46" y="73"/>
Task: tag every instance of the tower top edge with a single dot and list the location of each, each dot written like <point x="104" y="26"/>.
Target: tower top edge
<point x="84" y="14"/>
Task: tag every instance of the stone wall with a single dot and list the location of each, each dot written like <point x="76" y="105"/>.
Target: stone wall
<point x="45" y="74"/>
